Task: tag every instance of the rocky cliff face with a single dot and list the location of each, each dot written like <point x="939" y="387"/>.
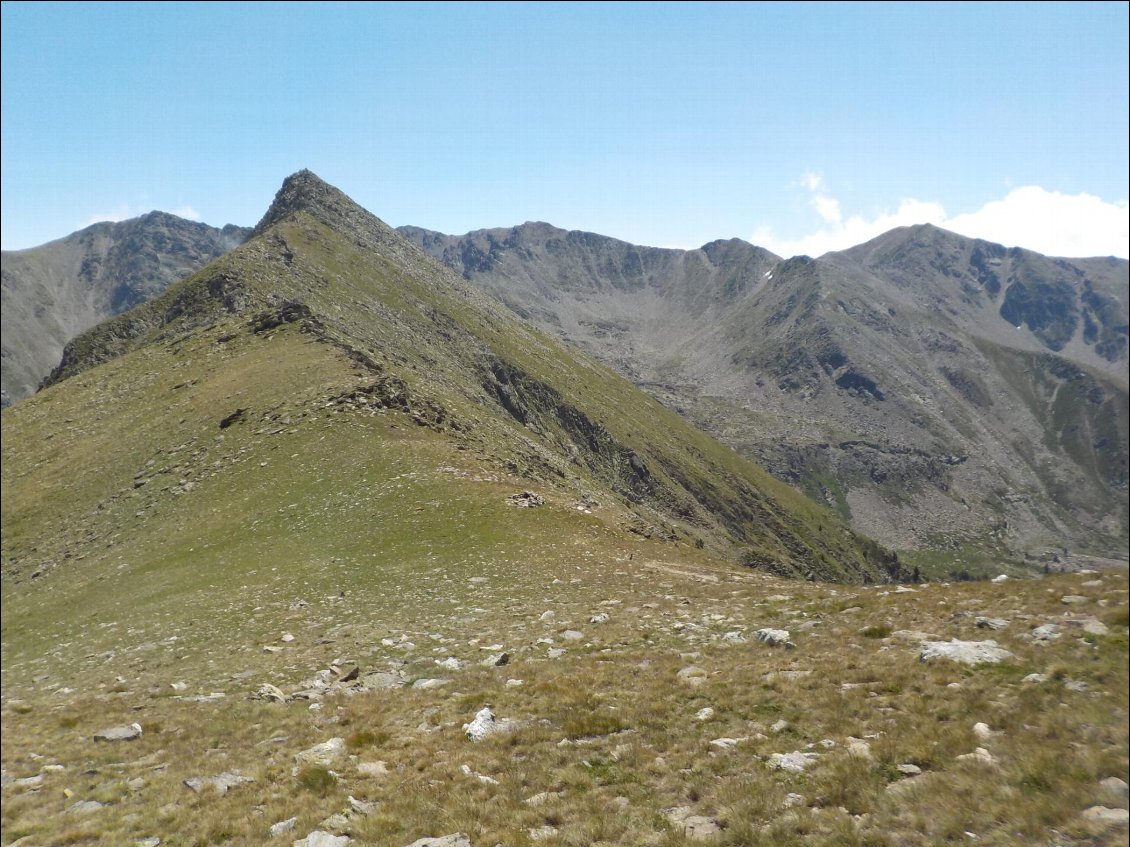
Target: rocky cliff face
<point x="936" y="390"/>
<point x="55" y="291"/>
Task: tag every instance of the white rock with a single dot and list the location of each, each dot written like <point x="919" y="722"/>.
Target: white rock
<point x="1002" y="578"/>
<point x="695" y="827"/>
<point x="451" y="663"/>
<point x="572" y="635"/>
<point x="991" y="623"/>
<point x="704" y="714"/>
<point x="780" y="726"/>
<point x="724" y="744"/>
<point x="320" y="838"/>
<point x="120" y="733"/>
<point x="541" y="833"/>
<point x="1105" y="817"/>
<point x="287" y="637"/>
<point x="733" y="637"/>
<point x="909" y="769"/>
<point x="483" y="778"/>
<point x="547" y="616"/>
<point x="966" y="652"/>
<point x="1047" y="632"/>
<point x="543" y="797"/>
<point x="1035" y="677"/>
<point x="982" y="731"/>
<point x="485" y="723"/>
<point x="796" y="761"/>
<point x="456" y="840"/>
<point x="1116" y="787"/>
<point x="600" y="617"/>
<point x="980" y="756"/>
<point x="85" y="807"/>
<point x="773" y="637"/>
<point x="279" y="828"/>
<point x="1072" y="599"/>
<point x="691" y="675"/>
<point x="324" y="754"/>
<point x="373" y="770"/>
<point x="859" y="748"/>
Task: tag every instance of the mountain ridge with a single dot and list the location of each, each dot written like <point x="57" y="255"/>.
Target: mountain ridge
<point x="889" y="344"/>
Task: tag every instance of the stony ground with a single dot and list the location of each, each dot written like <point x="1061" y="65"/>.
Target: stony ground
<point x="638" y="701"/>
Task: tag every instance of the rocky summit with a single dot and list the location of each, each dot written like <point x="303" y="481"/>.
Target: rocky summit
<point x="324" y="546"/>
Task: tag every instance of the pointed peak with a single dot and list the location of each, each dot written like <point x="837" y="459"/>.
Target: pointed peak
<point x="305" y="191"/>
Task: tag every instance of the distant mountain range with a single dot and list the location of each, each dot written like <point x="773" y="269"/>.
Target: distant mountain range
<point x="939" y="392"/>
<point x="53" y="292"/>
<point x="936" y="390"/>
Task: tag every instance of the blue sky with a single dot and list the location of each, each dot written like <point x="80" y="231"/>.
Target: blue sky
<point x="802" y="127"/>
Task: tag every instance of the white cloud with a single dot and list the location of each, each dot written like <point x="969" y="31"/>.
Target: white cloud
<point x="1048" y="222"/>
<point x="186" y="212"/>
<point x="1051" y="223"/>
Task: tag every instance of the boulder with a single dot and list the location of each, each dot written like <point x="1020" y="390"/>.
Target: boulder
<point x="120" y="733"/>
<point x="965" y="652"/>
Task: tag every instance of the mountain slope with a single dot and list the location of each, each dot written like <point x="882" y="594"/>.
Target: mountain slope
<point x="890" y="381"/>
<point x="328" y="333"/>
<point x="52" y="292"/>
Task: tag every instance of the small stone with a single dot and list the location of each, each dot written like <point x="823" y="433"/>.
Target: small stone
<point x="779" y="726"/>
<point x="691" y="675"/>
<point x="794" y="799"/>
<point x="859" y="748"/>
<point x="286" y="637"/>
<point x="965" y="652"/>
<point x="279" y="828"/>
<point x="337" y="823"/>
<point x="796" y="762"/>
<point x="1106" y="818"/>
<point x="1035" y="677"/>
<point x="540" y="833"/>
<point x="600" y="617"/>
<point x="150" y="841"/>
<point x="1002" y="578"/>
<point x="980" y="756"/>
<point x="695" y="827"/>
<point x="456" y="840"/>
<point x="496" y="660"/>
<point x="323" y="754"/>
<point x="547" y="616"/>
<point x="991" y="623"/>
<point x="485" y="723"/>
<point x="555" y="652"/>
<point x="982" y="731"/>
<point x="908" y="769"/>
<point x="372" y="770"/>
<point x="724" y="744"/>
<point x="572" y="635"/>
<point x="1116" y="787"/>
<point x="450" y="663"/>
<point x="1072" y="599"/>
<point x="773" y="637"/>
<point x="120" y="733"/>
<point x="430" y="683"/>
<point x="1047" y="632"/>
<point x="85" y="807"/>
<point x="704" y="714"/>
<point x="271" y="693"/>
<point x="733" y="637"/>
<point x="543" y="797"/>
<point x="319" y="838"/>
